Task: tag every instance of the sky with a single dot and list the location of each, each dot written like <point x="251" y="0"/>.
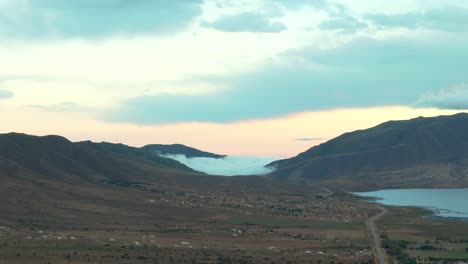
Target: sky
<point x="246" y="77"/>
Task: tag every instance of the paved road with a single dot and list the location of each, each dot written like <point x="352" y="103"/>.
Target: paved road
<point x="381" y="255"/>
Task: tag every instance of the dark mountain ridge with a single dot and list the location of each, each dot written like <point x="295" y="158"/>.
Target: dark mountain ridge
<point x="421" y="152"/>
<point x="50" y="181"/>
<point x="55" y="156"/>
<point x="56" y="160"/>
<point x="179" y="149"/>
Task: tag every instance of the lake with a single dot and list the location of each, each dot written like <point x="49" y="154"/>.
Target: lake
<point x="443" y="202"/>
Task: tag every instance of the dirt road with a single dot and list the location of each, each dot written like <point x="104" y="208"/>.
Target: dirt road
<point x="380" y="254"/>
<point x="328" y="192"/>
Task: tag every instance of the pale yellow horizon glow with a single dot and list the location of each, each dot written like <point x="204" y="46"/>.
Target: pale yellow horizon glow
<point x="274" y="137"/>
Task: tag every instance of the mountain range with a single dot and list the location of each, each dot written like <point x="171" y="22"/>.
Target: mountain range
<point x="419" y="153"/>
<point x="43" y="179"/>
<point x="47" y="178"/>
<point x="422" y="152"/>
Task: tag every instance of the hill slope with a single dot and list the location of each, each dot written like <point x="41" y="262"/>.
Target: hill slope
<point x="422" y="152"/>
<point x="56" y="157"/>
<point x="178" y="149"/>
<point x="50" y="181"/>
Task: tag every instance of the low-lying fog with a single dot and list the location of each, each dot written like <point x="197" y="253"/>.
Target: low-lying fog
<point x="229" y="166"/>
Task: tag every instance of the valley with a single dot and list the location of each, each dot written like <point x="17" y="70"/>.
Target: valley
<point x="86" y="202"/>
<point x="189" y="227"/>
<point x="233" y="132"/>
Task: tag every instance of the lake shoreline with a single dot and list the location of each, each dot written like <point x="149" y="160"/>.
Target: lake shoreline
<point x="430" y="200"/>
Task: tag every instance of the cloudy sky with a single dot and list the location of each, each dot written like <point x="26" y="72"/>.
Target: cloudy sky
<point x="244" y="77"/>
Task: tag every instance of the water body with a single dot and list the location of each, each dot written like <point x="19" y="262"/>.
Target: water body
<point x="443" y="202"/>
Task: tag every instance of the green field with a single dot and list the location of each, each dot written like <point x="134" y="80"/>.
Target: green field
<point x="412" y="234"/>
<point x="412" y="224"/>
<point x="455" y="255"/>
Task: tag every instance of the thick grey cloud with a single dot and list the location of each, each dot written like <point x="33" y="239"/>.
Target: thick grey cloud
<point x="452" y="19"/>
<point x="264" y="20"/>
<point x="246" y="22"/>
<point x="363" y="73"/>
<point x="94" y="19"/>
<point x="4" y="94"/>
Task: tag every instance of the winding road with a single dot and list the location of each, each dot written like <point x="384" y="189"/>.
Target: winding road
<point x="380" y="254"/>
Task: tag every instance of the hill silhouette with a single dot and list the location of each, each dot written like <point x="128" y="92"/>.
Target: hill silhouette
<point x="179" y="149"/>
<point x="50" y="181"/>
<point x="421" y="152"/>
<point x="56" y="157"/>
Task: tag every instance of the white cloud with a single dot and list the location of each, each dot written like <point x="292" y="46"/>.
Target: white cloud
<point x="366" y="6"/>
<point x="61" y="107"/>
<point x="111" y="70"/>
<point x="229" y="166"/>
<point x="453" y="98"/>
<point x="101" y="74"/>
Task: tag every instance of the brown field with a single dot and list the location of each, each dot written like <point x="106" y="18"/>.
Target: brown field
<point x="128" y="225"/>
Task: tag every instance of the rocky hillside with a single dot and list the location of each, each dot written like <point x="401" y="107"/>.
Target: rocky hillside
<point x="422" y="152"/>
